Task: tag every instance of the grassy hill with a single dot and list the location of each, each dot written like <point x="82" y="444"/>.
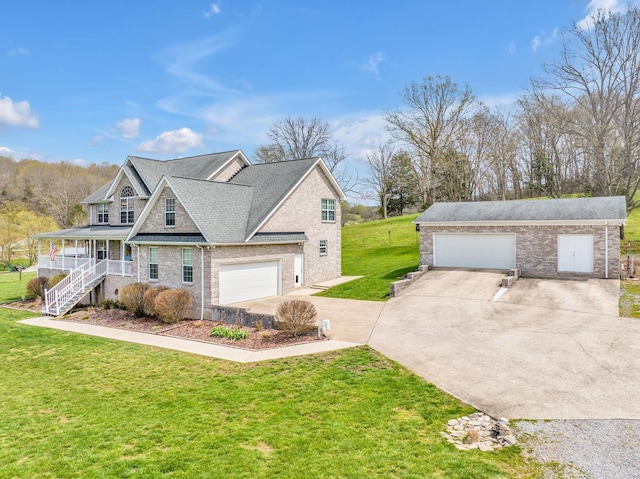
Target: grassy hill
<point x="381" y="251"/>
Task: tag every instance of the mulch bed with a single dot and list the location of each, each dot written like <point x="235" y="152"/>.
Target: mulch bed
<point x="197" y="330"/>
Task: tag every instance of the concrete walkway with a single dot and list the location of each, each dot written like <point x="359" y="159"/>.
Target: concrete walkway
<point x="189" y="346"/>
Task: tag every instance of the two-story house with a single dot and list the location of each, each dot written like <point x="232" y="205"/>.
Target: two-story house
<point x="216" y="225"/>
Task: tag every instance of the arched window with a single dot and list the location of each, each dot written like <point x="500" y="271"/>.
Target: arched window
<point x="126" y="205"/>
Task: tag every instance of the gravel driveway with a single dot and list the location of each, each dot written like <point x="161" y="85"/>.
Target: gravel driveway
<point x="593" y="449"/>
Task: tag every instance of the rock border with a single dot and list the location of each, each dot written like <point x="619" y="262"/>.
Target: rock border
<point x="479" y="431"/>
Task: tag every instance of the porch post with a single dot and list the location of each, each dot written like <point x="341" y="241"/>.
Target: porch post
<point x="108" y="258"/>
<point x="50" y="248"/>
<point x="39" y="250"/>
<point x="76" y="255"/>
<point x="63" y="261"/>
<point x="122" y="258"/>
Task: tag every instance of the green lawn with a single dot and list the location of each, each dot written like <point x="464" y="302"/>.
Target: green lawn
<point x="79" y="406"/>
<point x="11" y="288"/>
<point x="369" y="250"/>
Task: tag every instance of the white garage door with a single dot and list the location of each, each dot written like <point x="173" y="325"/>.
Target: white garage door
<point x="575" y="253"/>
<point x="246" y="281"/>
<point x="489" y="251"/>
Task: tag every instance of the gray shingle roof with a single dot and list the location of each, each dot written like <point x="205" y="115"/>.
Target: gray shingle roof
<point x="199" y="167"/>
<point x="221" y="210"/>
<point x="278" y="238"/>
<point x="271" y="182"/>
<point x="99" y="194"/>
<point x="168" y="238"/>
<point x="564" y="209"/>
<point x="89" y="232"/>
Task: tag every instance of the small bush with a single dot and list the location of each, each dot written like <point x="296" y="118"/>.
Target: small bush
<point x="258" y="325"/>
<point x="229" y="333"/>
<point x="296" y="317"/>
<point x="471" y="437"/>
<point x="36" y="286"/>
<point x="132" y="296"/>
<point x="172" y="305"/>
<point x="107" y="304"/>
<point x="56" y="279"/>
<point x="149" y="299"/>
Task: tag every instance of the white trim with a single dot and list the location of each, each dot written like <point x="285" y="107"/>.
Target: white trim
<point x="519" y="223"/>
<point x="606" y="251"/>
<point x="118" y="177"/>
<point x="164" y="181"/>
<point x="226" y="163"/>
<point x="201" y="281"/>
<point x="332" y="180"/>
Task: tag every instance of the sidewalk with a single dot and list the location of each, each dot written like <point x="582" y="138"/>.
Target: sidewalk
<point x="189" y="346"/>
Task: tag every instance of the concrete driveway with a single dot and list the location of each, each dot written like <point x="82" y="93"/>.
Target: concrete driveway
<point x="547" y="349"/>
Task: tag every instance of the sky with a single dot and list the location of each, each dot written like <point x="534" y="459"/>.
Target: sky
<point x="93" y="82"/>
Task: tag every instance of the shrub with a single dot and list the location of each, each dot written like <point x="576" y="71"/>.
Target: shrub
<point x="149" y="299"/>
<point x="56" y="279"/>
<point x="132" y="296"/>
<point x="172" y="305"/>
<point x="106" y="304"/>
<point x="229" y="333"/>
<point x="296" y="317"/>
<point x="36" y="286"/>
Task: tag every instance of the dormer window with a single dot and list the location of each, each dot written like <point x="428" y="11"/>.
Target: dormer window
<point x="170" y="212"/>
<point x="103" y="213"/>
<point x="126" y="205"/>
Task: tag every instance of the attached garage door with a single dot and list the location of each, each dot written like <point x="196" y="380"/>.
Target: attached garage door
<point x="246" y="281"/>
<point x="487" y="251"/>
<point x="575" y="253"/>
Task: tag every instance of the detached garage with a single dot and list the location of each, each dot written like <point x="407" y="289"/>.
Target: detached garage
<point x="544" y="238"/>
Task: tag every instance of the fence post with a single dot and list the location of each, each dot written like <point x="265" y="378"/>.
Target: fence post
<point x="46" y="301"/>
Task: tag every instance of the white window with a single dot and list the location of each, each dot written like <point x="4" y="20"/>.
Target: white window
<point x="328" y="210"/>
<point x="169" y="211"/>
<point x="101" y="249"/>
<point x="153" y="262"/>
<point x="103" y="213"/>
<point x="323" y="247"/>
<point x="126" y="205"/>
<point x="187" y="265"/>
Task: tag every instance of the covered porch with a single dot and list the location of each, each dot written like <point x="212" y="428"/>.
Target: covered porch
<point x="66" y="250"/>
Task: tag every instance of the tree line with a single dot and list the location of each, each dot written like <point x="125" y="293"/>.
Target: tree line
<point x="36" y="197"/>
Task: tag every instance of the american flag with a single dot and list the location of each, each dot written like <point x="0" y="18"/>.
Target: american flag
<point x="52" y="253"/>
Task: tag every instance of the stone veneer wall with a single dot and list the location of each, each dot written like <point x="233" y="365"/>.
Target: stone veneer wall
<point x="302" y="212"/>
<point x="537" y="247"/>
<point x="155" y="221"/>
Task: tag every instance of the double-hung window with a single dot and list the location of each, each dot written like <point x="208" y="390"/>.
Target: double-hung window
<point x="328" y="210"/>
<point x="323" y="247"/>
<point x="169" y="211"/>
<point x="103" y="213"/>
<point x="126" y="205"/>
<point x="187" y="265"/>
<point x="101" y="249"/>
<point x="153" y="262"/>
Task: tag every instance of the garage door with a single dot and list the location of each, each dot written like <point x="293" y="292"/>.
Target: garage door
<point x="575" y="253"/>
<point x="246" y="281"/>
<point x="490" y="251"/>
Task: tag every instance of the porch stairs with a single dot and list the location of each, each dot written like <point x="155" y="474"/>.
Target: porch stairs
<point x="71" y="290"/>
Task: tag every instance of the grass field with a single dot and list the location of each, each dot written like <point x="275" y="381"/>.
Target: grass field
<point x="79" y="406"/>
<point x="381" y="251"/>
<point x="11" y="288"/>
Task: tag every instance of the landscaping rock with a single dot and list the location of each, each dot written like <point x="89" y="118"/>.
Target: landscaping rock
<point x="492" y="434"/>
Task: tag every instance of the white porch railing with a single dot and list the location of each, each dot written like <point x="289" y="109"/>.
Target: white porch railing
<point x="67" y="263"/>
<point x="68" y="292"/>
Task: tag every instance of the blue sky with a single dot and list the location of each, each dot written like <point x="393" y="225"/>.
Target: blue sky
<point x="89" y="82"/>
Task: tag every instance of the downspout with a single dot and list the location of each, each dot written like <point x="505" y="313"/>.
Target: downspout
<point x="606" y="250"/>
<point x="138" y="259"/>
<point x="201" y="281"/>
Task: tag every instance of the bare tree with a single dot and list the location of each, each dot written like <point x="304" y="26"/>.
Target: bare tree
<point x="379" y="180"/>
<point x="300" y="138"/>
<point x="431" y="125"/>
<point x="599" y="73"/>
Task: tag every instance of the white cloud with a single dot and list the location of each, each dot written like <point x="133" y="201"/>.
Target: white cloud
<point x="129" y="127"/>
<point x="214" y="9"/>
<point x="372" y="64"/>
<point x="19" y="51"/>
<point x="175" y="141"/>
<point x="17" y="113"/>
<point x="4" y="151"/>
<point x="80" y="162"/>
<point x="512" y="48"/>
<point x="506" y="100"/>
<point x="95" y="140"/>
<point x="598" y="5"/>
<point x="544" y="39"/>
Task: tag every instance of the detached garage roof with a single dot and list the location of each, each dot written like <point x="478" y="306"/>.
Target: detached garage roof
<point x="571" y="210"/>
